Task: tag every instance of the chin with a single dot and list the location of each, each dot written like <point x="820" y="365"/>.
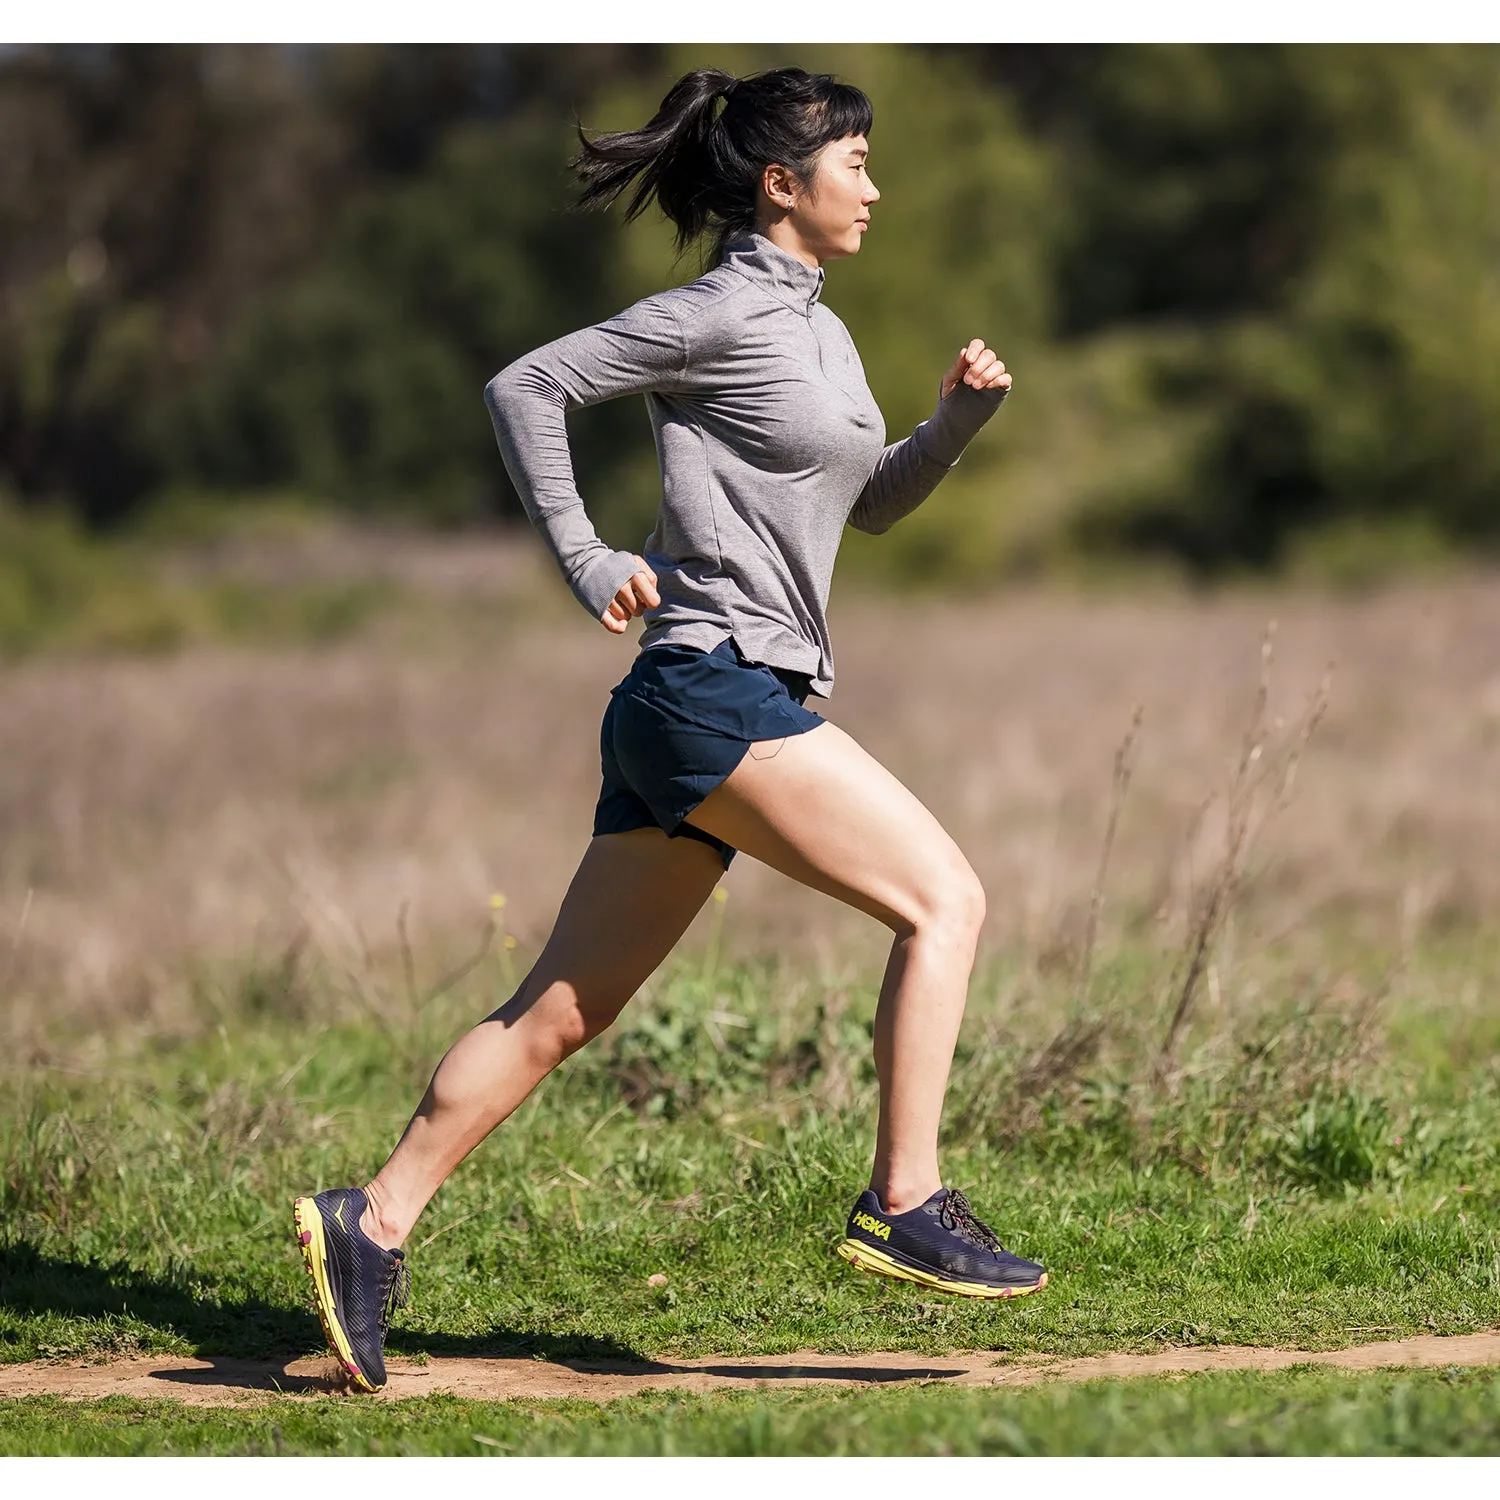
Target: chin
<point x="843" y="249"/>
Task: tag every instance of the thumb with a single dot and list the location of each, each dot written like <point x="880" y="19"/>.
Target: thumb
<point x="954" y="373"/>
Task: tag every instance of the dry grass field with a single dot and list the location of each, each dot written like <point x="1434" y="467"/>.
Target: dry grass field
<point x="165" y="818"/>
<point x="236" y="880"/>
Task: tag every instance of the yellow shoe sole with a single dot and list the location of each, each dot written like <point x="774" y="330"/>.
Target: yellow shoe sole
<point x="866" y="1258"/>
<point x="315" y="1253"/>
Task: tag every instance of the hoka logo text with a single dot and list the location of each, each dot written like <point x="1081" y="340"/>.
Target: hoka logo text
<point x="872" y="1226"/>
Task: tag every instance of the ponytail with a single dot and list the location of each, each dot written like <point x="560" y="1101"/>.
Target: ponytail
<point x="703" y="163"/>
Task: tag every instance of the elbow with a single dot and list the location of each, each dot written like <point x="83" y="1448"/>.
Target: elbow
<point x="861" y="520"/>
<point x="501" y="391"/>
<point x="521" y="388"/>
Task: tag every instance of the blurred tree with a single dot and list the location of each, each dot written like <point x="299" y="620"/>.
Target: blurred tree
<point x="1399" y="321"/>
<point x="1249" y="293"/>
<point x="1362" y="378"/>
<point x="168" y="215"/>
<point x="362" y="379"/>
<point x="146" y="193"/>
<point x="1195" y="173"/>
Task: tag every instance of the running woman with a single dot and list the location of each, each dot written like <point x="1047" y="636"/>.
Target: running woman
<point x="770" y="442"/>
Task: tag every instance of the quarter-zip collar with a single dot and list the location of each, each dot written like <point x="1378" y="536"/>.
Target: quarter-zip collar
<point x="790" y="280"/>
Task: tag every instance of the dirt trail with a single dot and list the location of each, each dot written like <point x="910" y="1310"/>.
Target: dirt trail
<point x="224" y="1382"/>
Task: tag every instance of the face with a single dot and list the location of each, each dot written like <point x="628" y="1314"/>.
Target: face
<point x="832" y="214"/>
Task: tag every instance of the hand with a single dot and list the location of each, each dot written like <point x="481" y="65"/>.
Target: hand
<point x="977" y="366"/>
<point x="637" y="594"/>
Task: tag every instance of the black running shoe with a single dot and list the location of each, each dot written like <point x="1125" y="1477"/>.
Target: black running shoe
<point x="356" y="1284"/>
<point x="940" y="1244"/>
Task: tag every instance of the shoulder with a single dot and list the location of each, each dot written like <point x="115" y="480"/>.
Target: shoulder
<point x="709" y="310"/>
<point x="695" y="321"/>
<point x="694" y="305"/>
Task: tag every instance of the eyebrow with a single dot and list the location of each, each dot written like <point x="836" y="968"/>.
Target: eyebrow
<point x="859" y="151"/>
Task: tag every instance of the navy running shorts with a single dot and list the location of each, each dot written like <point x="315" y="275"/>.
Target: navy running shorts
<point x="679" y="723"/>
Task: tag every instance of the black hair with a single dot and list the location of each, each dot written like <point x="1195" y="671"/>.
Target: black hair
<point x="703" y="164"/>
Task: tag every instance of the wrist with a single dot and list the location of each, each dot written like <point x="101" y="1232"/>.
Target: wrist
<point x="959" y="416"/>
<point x="603" y="578"/>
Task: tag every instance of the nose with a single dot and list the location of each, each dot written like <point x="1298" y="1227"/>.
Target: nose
<point x="872" y="193"/>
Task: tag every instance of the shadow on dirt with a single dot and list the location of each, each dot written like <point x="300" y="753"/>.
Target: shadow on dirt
<point x="37" y="1285"/>
<point x="240" y="1375"/>
<point x="245" y="1375"/>
<point x="865" y="1374"/>
<point x="214" y="1320"/>
<point x="266" y="1336"/>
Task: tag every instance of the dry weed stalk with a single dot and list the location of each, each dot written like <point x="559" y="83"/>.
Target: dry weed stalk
<point x="365" y="985"/>
<point x="15" y="942"/>
<point x="1059" y="1061"/>
<point x="1011" y="1106"/>
<point x="464" y="967"/>
<point x="1124" y="767"/>
<point x="1241" y="829"/>
<point x="1316" y="1047"/>
<point x="416" y="1001"/>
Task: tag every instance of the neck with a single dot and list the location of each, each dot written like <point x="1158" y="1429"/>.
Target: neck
<point x="788" y="275"/>
<point x="784" y="237"/>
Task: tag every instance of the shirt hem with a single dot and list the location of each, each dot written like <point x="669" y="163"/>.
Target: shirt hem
<point x="800" y="657"/>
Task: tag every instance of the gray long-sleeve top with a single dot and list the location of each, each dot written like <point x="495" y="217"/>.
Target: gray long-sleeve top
<point x="769" y="442"/>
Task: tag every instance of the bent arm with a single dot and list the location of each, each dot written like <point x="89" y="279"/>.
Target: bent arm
<point x="640" y="349"/>
<point x="906" y="473"/>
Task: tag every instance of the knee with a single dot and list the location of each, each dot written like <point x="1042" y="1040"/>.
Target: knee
<point x="952" y="902"/>
<point x="564" y="1022"/>
<point x="583" y="1023"/>
<point x="567" y="1032"/>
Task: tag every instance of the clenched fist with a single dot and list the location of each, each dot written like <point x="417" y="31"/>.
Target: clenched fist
<point x="636" y="595"/>
<point x="977" y="365"/>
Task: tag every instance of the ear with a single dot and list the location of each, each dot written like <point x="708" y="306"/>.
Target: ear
<point x="778" y="184"/>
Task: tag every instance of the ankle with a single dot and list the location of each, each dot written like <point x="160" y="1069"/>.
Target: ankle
<point x="379" y="1224"/>
<point x="901" y="1195"/>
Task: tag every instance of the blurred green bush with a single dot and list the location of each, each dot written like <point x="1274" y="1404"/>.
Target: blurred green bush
<point x="1251" y="294"/>
<point x="65" y="589"/>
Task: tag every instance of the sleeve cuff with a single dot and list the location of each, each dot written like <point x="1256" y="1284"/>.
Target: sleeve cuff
<point x="602" y="579"/>
<point x="959" y="416"/>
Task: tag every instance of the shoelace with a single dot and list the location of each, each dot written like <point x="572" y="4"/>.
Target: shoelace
<point x="957" y="1214"/>
<point x="397" y="1296"/>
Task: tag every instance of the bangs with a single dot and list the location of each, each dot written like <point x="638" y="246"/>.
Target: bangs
<point x="844" y="111"/>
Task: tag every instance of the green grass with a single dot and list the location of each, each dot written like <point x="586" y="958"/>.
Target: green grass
<point x="1294" y="1412"/>
<point x="1310" y="1178"/>
<point x="145" y="1199"/>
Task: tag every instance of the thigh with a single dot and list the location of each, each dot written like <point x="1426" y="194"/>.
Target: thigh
<point x="818" y="807"/>
<point x="631" y="899"/>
